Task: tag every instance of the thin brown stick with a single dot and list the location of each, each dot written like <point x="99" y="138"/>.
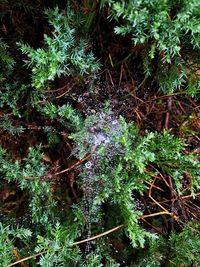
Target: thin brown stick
<point x="56" y="90"/>
<point x="77" y="163"/>
<point x="18" y="256"/>
<point x="67" y="91"/>
<point x="65" y="170"/>
<point x="165" y="210"/>
<point x="188" y="196"/>
<point x="154" y="186"/>
<point x="98" y="236"/>
<point x="26" y="259"/>
<point x="75" y="243"/>
<point x="158" y="213"/>
<point x="153" y="227"/>
<point x="169" y="108"/>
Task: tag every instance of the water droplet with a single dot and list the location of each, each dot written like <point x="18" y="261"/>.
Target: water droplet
<point x="80" y="99"/>
<point x="88" y="165"/>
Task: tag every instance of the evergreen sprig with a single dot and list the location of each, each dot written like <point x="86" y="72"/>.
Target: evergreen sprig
<point x="165" y="29"/>
<point x="64" y="53"/>
<point x="25" y="174"/>
<point x="6" y="61"/>
<point x="118" y="164"/>
<point x="8" y="237"/>
<point x="65" y="114"/>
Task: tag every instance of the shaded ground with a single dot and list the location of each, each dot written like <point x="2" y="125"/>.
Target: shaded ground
<point x="121" y="82"/>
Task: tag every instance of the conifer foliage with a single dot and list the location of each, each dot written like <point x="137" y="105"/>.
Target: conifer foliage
<point x="165" y="29"/>
<point x="90" y="187"/>
<point x="64" y="52"/>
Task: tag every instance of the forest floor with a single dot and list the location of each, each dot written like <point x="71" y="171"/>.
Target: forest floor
<point x="122" y="83"/>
